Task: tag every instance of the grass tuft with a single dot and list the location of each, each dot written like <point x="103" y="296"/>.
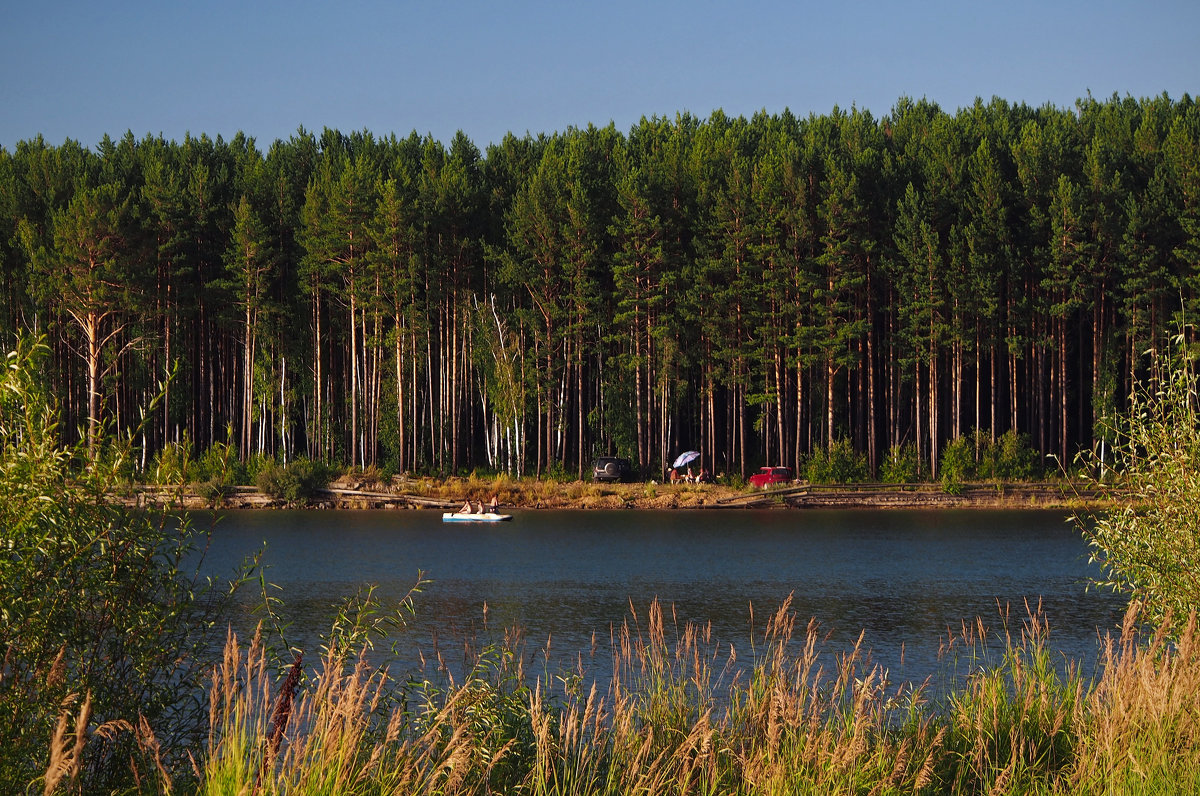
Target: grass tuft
<point x="682" y="715"/>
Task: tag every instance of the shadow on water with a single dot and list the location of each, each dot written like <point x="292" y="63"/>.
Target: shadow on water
<point x="907" y="581"/>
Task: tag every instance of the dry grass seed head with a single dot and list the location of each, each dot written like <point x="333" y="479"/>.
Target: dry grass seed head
<point x="64" y="759"/>
<point x="148" y="743"/>
<point x="925" y="775"/>
<point x="1002" y="781"/>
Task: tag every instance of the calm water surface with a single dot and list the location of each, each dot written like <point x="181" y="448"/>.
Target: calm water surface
<point x="904" y="579"/>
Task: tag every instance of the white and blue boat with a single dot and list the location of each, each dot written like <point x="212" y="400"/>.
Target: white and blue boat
<point x="464" y="516"/>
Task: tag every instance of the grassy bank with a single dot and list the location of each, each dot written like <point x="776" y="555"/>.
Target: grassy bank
<point x="538" y="493"/>
<point x="368" y="490"/>
<point x="675" y="720"/>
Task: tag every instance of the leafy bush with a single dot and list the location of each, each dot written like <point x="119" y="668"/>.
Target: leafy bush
<point x="270" y="480"/>
<point x="839" y="464"/>
<point x="555" y="471"/>
<point x="102" y="625"/>
<point x="213" y="490"/>
<point x="297" y="483"/>
<point x="957" y="463"/>
<point x="171" y="465"/>
<point x="1013" y="458"/>
<point x="902" y="465"/>
<point x="1149" y="542"/>
<point x="252" y="467"/>
<point x="220" y="463"/>
<point x="976" y="456"/>
<point x="732" y="479"/>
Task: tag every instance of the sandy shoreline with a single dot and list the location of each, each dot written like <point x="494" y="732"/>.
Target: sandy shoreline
<point x="449" y="494"/>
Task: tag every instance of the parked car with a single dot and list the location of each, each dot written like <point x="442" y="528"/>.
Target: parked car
<point x="612" y="468"/>
<point x="769" y="476"/>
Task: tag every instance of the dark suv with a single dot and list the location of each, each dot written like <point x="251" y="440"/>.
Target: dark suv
<point x="611" y="468"/>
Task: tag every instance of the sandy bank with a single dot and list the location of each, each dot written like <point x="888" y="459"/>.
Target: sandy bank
<point x="402" y="493"/>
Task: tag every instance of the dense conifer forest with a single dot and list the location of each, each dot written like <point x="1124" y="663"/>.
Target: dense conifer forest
<point x="756" y="289"/>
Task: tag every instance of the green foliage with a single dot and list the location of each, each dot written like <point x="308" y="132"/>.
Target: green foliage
<point x="1149" y="543"/>
<point x="977" y="457"/>
<point x="213" y="490"/>
<point x="249" y="469"/>
<point x="771" y="280"/>
<point x="1012" y="458"/>
<point x="903" y="465"/>
<point x="170" y="464"/>
<point x="839" y="464"/>
<point x="957" y="465"/>
<point x="219" y="462"/>
<point x="100" y="617"/>
<point x="556" y="471"/>
<point x="297" y="483"/>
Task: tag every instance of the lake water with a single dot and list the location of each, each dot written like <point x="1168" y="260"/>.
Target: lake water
<point x="903" y="579"/>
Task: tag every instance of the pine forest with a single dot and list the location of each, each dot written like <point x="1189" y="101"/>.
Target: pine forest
<point x="755" y="289"/>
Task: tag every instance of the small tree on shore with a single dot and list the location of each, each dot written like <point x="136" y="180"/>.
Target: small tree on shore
<point x="1149" y="542"/>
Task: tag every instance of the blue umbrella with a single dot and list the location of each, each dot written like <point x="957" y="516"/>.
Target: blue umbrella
<point x="684" y="458"/>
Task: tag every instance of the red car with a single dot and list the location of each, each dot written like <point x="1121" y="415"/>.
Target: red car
<point x="767" y="476"/>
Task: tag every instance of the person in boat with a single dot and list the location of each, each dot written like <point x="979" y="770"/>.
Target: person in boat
<point x="466" y="508"/>
<point x="479" y="507"/>
<point x="493" y="505"/>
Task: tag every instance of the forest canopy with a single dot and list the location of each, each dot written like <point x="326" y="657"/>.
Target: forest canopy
<point x="755" y="289"/>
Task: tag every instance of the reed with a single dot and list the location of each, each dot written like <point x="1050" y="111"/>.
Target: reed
<point x="1140" y="724"/>
<point x="1012" y="727"/>
<point x="682" y="714"/>
<point x="343" y="733"/>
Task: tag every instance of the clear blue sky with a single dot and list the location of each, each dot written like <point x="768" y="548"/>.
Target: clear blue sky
<point x="265" y="67"/>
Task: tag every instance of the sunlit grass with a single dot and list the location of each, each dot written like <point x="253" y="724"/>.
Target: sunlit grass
<point x="682" y="714"/>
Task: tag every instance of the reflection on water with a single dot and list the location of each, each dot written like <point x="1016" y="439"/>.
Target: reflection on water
<point x="903" y="579"/>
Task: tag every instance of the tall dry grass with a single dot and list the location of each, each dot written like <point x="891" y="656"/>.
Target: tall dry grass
<point x="510" y="491"/>
<point x="1140" y="724"/>
<point x="682" y="714"/>
<point x="342" y="732"/>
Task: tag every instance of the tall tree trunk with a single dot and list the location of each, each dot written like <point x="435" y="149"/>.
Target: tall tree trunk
<point x="247" y="386"/>
<point x="91" y="329"/>
<point x="830" y="372"/>
<point x="869" y="364"/>
<point x="933" y="412"/>
<point x="316" y="443"/>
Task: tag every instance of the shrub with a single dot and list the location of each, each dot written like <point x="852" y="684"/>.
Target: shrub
<point x="171" y="464"/>
<point x="213" y="491"/>
<point x="902" y="465"/>
<point x="219" y="463"/>
<point x="555" y="471"/>
<point x="1149" y="542"/>
<point x="1015" y="458"/>
<point x="102" y="624"/>
<point x="839" y="464"/>
<point x="250" y="469"/>
<point x="957" y="463"/>
<point x="297" y="483"/>
<point x="1010" y="457"/>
